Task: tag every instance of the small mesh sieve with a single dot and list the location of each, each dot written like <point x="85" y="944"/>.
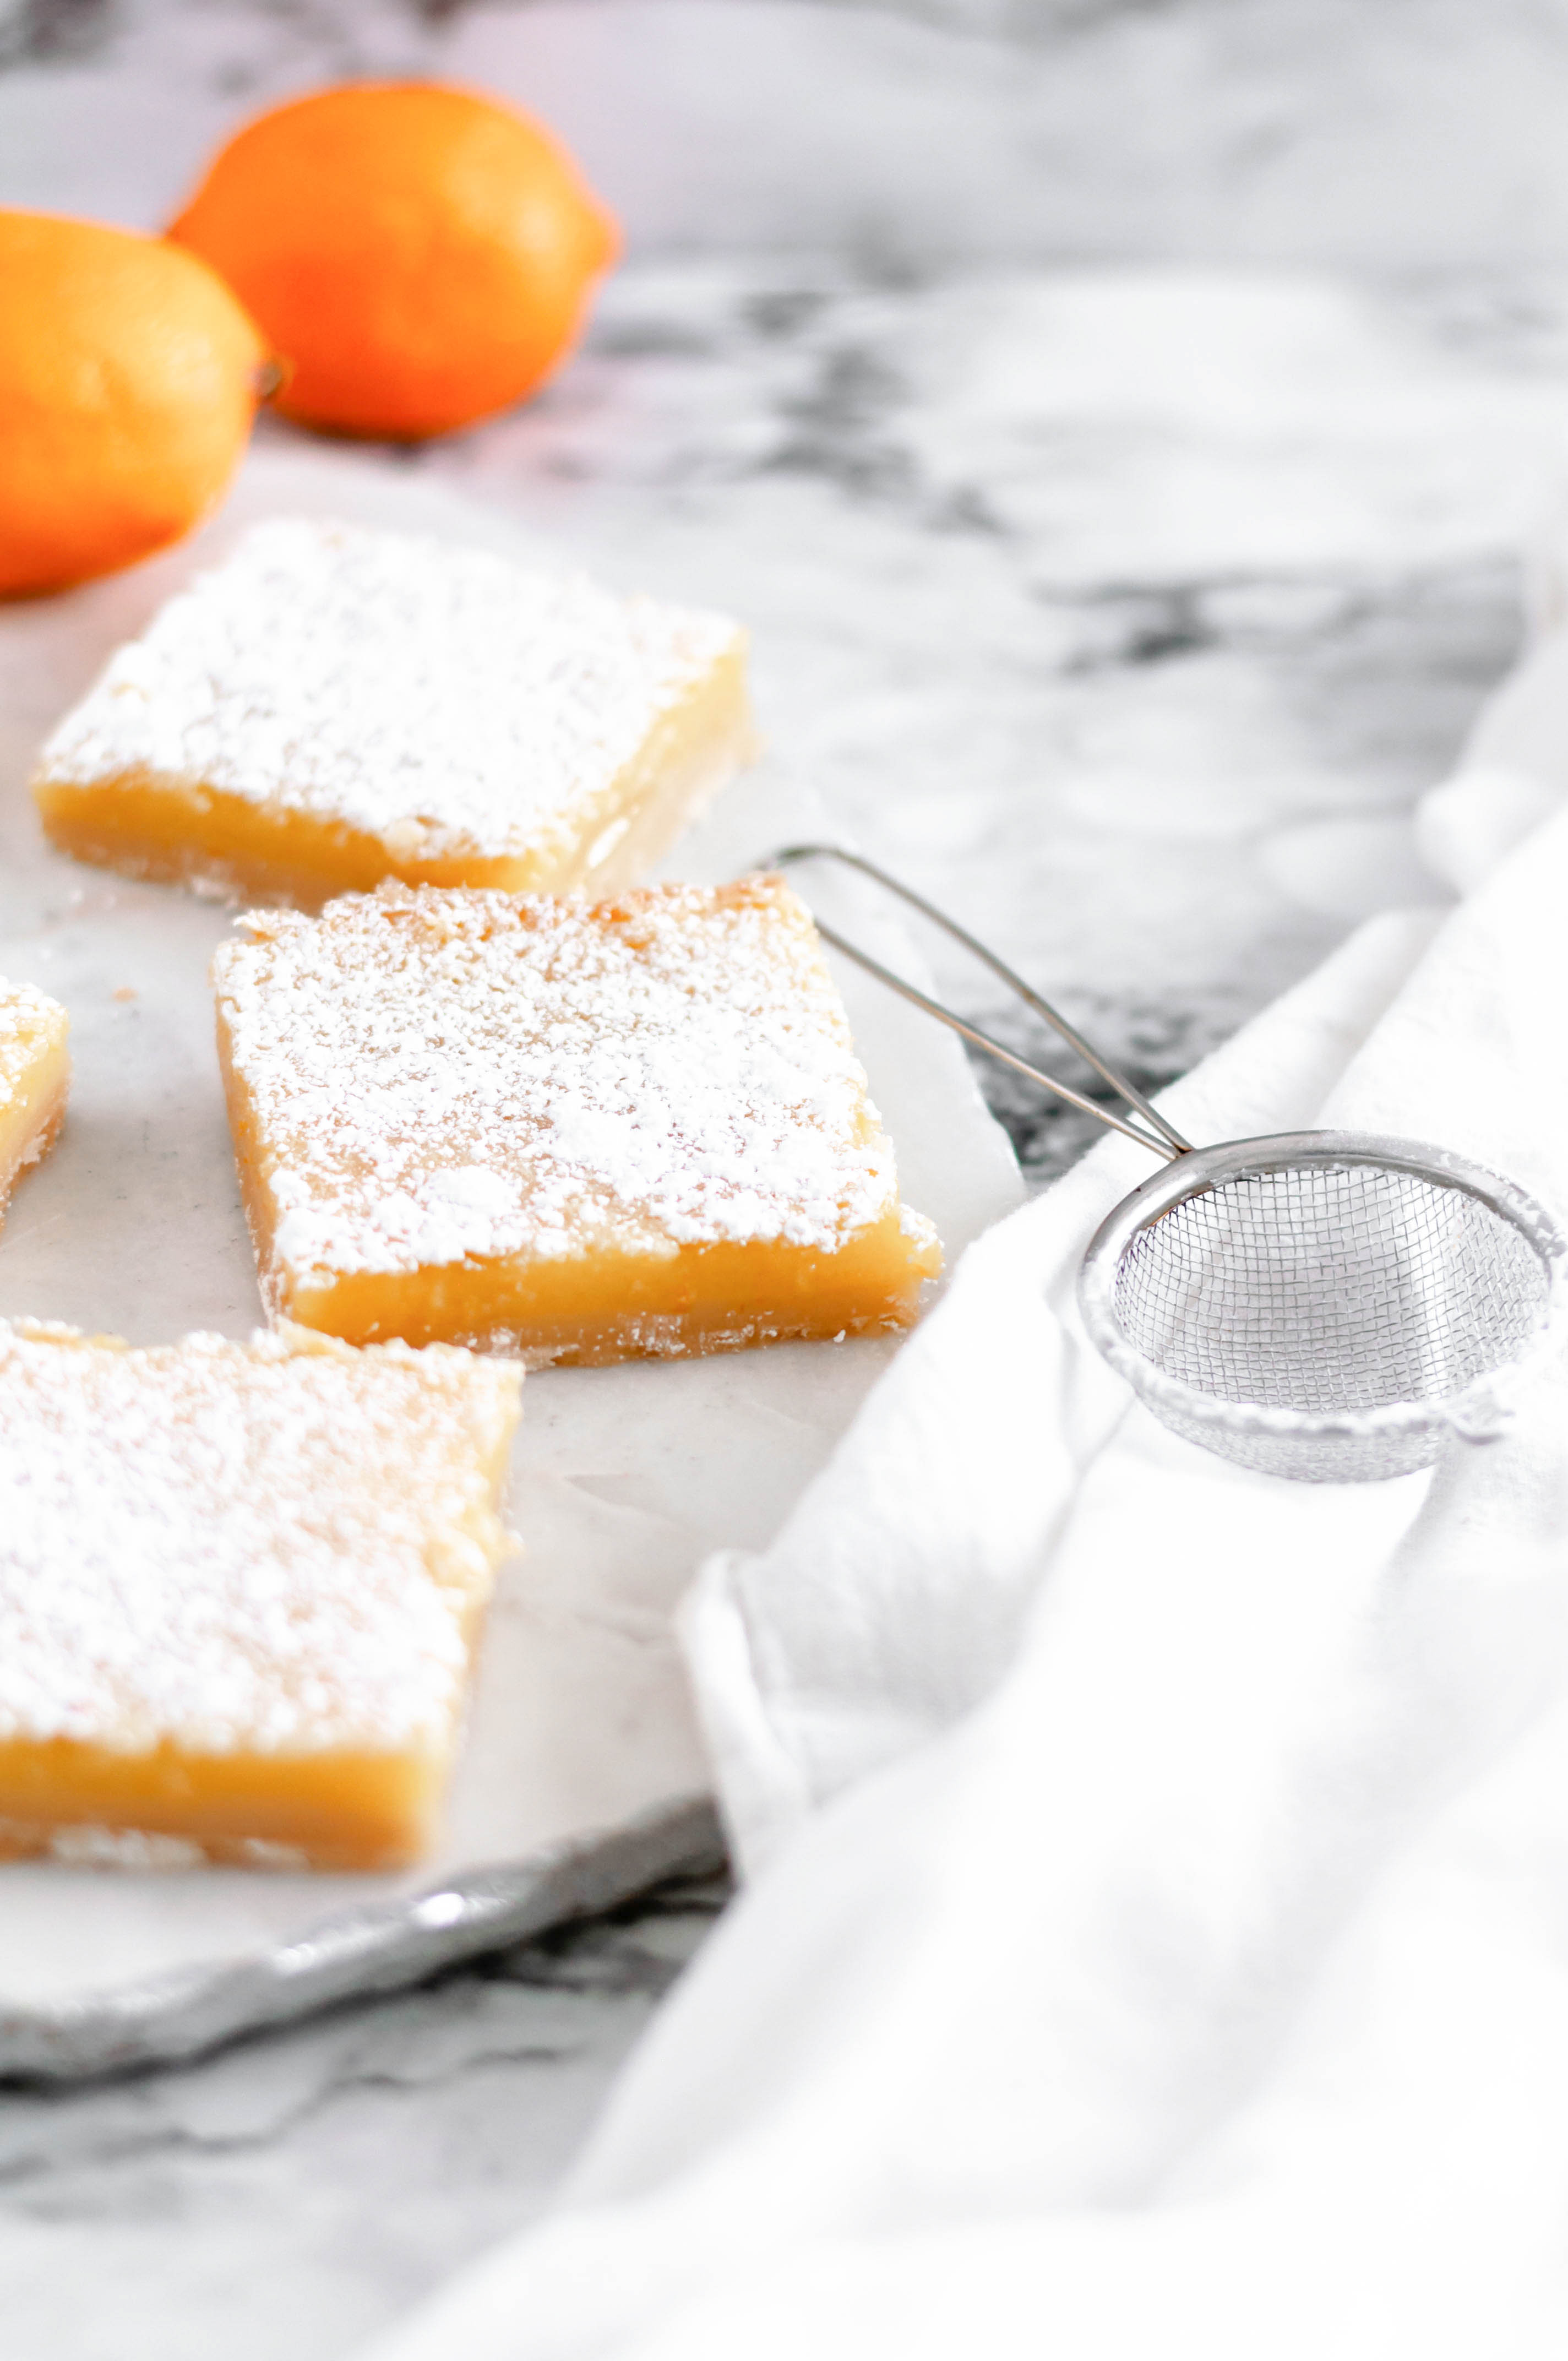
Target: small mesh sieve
<point x="1325" y="1306"/>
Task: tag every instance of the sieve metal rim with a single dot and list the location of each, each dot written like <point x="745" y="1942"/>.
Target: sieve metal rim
<point x="1475" y="1410"/>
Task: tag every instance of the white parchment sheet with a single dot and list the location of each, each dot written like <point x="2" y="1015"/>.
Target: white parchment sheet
<point x="624" y="1478"/>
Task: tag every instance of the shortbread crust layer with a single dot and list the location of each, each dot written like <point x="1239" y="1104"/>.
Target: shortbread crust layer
<point x="239" y="1590"/>
<point x="576" y="1133"/>
<point x="333" y="706"/>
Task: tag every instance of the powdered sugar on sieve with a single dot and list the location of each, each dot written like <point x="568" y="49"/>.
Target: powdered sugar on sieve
<point x="225" y="1545"/>
<point x="439" y="1075"/>
<point x="442" y="698"/>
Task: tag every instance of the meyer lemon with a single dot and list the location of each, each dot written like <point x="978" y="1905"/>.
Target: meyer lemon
<point x="418" y="255"/>
<point x="128" y="379"/>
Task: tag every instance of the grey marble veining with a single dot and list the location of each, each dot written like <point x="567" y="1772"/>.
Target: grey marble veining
<point x="289" y="2195"/>
<point x="1125" y="611"/>
<point x="1083" y="612"/>
<point x="1397" y="134"/>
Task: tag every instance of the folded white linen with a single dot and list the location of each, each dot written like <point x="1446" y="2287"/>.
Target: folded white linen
<point x="1158" y="1937"/>
<point x="892" y="1601"/>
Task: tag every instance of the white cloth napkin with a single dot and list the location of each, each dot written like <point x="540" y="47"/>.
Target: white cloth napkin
<point x="1156" y="1932"/>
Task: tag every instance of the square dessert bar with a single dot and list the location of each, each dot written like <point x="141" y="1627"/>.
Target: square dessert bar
<point x="35" y="1075"/>
<point x="333" y="707"/>
<point x="576" y="1132"/>
<point x="240" y="1589"/>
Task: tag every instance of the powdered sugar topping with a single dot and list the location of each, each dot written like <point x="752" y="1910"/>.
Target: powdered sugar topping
<point x="441" y="1075"/>
<point x="442" y="698"/>
<point x="226" y="1546"/>
<point x="31" y="1024"/>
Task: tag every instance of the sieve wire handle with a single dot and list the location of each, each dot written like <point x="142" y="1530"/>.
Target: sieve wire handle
<point x="1169" y="1142"/>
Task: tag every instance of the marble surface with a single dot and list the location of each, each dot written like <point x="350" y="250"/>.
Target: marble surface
<point x="909" y="133"/>
<point x="1121" y="428"/>
<point x="288" y="2196"/>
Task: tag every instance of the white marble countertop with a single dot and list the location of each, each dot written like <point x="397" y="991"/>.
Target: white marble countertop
<point x="1124" y="605"/>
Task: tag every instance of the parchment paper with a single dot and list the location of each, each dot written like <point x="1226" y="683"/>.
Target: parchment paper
<point x="582" y="1778"/>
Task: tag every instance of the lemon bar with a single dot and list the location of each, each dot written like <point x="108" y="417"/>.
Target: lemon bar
<point x="35" y="1074"/>
<point x="576" y="1132"/>
<point x="335" y="706"/>
<point x="240" y="1589"/>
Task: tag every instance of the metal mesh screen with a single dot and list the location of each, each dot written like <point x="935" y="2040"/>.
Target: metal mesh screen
<point x="1326" y="1287"/>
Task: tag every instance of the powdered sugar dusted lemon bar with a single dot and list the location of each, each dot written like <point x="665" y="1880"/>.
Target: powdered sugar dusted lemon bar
<point x="576" y="1131"/>
<point x="239" y="1587"/>
<point x="335" y="706"/>
<point x="35" y="1075"/>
